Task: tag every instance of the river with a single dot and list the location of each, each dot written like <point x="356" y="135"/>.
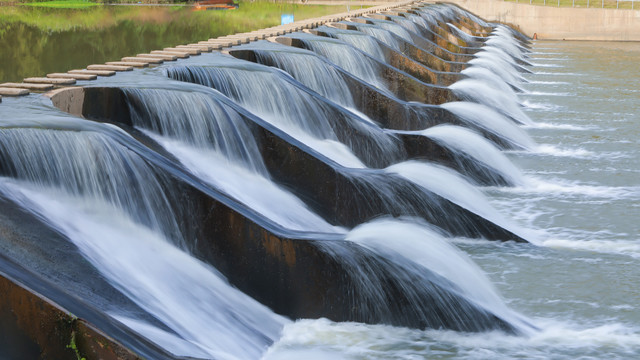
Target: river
<point x="579" y="283"/>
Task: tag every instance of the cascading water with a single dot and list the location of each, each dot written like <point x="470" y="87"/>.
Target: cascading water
<point x="450" y="185"/>
<point x="307" y="68"/>
<point x="492" y="121"/>
<point x="490" y="78"/>
<point x="478" y="91"/>
<point x="347" y="57"/>
<point x="116" y="213"/>
<point x="392" y="27"/>
<point x="299" y="112"/>
<point x="120" y="211"/>
<point x="214" y="143"/>
<point x="385" y="36"/>
<point x="468" y="143"/>
<point x="358" y="40"/>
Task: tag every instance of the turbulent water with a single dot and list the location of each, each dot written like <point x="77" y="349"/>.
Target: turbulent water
<point x="581" y="192"/>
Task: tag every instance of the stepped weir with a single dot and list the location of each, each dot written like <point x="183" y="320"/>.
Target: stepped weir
<point x="193" y="208"/>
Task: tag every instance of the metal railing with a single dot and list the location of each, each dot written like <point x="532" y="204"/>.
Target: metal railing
<point x="581" y="3"/>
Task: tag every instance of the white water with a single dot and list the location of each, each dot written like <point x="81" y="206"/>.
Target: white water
<point x="490" y="78"/>
<point x="452" y="186"/>
<point x="385" y="36"/>
<point x="478" y="91"/>
<point x="364" y="43"/>
<point x="472" y="144"/>
<point x="492" y="121"/>
<point x="257" y="192"/>
<point x="161" y="279"/>
<point x="497" y="65"/>
<point x="350" y="59"/>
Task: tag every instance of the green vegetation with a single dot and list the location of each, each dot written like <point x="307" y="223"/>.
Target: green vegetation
<point x="63" y="4"/>
<point x="607" y="4"/>
<point x="37" y="40"/>
<point x="72" y="345"/>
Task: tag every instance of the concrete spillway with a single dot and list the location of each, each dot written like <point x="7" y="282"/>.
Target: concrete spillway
<point x="212" y="200"/>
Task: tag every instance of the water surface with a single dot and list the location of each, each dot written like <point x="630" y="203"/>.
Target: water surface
<point x="37" y="41"/>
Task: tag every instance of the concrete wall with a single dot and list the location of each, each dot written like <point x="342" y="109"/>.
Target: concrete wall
<point x="560" y="23"/>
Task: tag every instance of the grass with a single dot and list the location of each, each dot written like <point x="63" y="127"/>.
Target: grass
<point x="63" y="4"/>
<point x="607" y="4"/>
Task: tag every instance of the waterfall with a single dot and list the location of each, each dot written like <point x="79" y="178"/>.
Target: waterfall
<point x="394" y="28"/>
<point x="346" y="57"/>
<point x="405" y="23"/>
<point x="499" y="66"/>
<point x="270" y="158"/>
<point x="112" y="206"/>
<point x="333" y="131"/>
<point x="451" y="186"/>
<point x="424" y="247"/>
<point x="488" y="76"/>
<point x="490" y="120"/>
<point x="306" y="67"/>
<point x="478" y="91"/>
<point x="468" y="143"/>
<point x="361" y="41"/>
<point x="192" y="126"/>
<point x="385" y="36"/>
<point x="418" y="20"/>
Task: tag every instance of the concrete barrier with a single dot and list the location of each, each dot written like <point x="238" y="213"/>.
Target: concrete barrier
<point x="560" y="23"/>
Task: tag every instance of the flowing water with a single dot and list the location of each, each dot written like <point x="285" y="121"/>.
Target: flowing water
<point x="571" y="293"/>
<point x="582" y="186"/>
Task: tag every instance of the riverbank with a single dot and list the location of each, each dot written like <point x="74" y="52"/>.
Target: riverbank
<point x="39" y="40"/>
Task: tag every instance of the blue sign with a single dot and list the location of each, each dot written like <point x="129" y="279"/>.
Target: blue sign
<point x="286" y="19"/>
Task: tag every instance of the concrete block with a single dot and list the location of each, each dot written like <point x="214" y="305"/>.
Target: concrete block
<point x="44" y="80"/>
<point x="69" y="99"/>
<point x="176" y="53"/>
<point x="7" y="91"/>
<point x="93" y="72"/>
<point x="73" y="76"/>
<point x="201" y="47"/>
<point x="109" y="67"/>
<point x="158" y="56"/>
<point x="29" y="86"/>
<point x="128" y="63"/>
<point x="224" y="42"/>
<point x="186" y="50"/>
<point x="142" y="60"/>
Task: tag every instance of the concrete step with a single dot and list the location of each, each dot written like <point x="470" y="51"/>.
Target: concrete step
<point x="44" y="80"/>
<point x="214" y="46"/>
<point x="158" y="56"/>
<point x="187" y="50"/>
<point x="5" y="91"/>
<point x="128" y="63"/>
<point x="37" y="87"/>
<point x="109" y="67"/>
<point x="224" y="42"/>
<point x="201" y="47"/>
<point x="92" y="72"/>
<point x="72" y="76"/>
<point x="136" y="59"/>
<point x="178" y="54"/>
